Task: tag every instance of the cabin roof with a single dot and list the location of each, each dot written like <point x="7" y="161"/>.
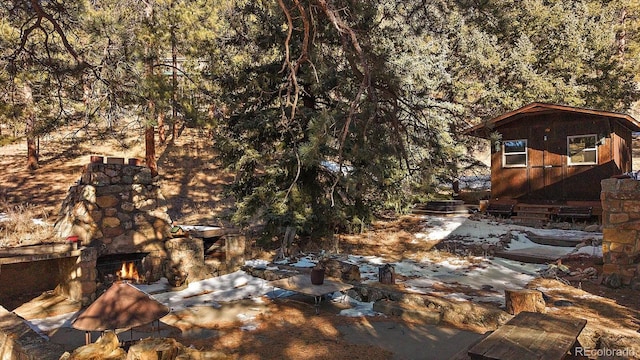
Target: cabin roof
<point x="484" y="128"/>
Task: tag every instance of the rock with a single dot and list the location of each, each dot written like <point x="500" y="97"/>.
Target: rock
<point x="341" y="270"/>
<point x="420" y="314"/>
<point x="613" y="281"/>
<point x="592" y="228"/>
<point x="590" y="271"/>
<point x="175" y="276"/>
<point x="562" y="303"/>
<point x="564" y="226"/>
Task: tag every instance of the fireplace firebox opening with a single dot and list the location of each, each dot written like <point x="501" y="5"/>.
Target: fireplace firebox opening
<point x="130" y="267"/>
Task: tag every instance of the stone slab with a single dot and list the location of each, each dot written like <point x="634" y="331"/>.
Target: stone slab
<point x="203" y="231"/>
<point x="534" y="255"/>
<point x="423" y="315"/>
<point x="30" y="256"/>
<point x="19" y="342"/>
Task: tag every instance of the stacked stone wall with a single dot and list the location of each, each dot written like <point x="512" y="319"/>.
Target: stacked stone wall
<point x="81" y="284"/>
<point x="621" y="228"/>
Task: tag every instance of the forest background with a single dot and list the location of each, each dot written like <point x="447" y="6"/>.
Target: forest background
<point x="327" y="112"/>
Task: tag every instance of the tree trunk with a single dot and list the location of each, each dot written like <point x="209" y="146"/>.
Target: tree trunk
<point x="149" y="131"/>
<point x="174" y="83"/>
<point x="150" y="149"/>
<point x="149" y="135"/>
<point x="621" y="36"/>
<point x="162" y="136"/>
<point x="517" y="301"/>
<point x="32" y="153"/>
<point x="287" y="240"/>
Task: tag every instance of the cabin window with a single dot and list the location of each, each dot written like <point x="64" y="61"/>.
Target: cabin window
<point x="582" y="150"/>
<point x="514" y="153"/>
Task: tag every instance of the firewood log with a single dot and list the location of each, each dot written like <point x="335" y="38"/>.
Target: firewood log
<point x="107" y="347"/>
<point x="517" y="301"/>
<point x="156" y="349"/>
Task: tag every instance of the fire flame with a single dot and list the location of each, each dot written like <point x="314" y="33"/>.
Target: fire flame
<point x="128" y="272"/>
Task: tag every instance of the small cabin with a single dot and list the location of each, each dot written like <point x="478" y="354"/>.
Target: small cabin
<point x="556" y="154"/>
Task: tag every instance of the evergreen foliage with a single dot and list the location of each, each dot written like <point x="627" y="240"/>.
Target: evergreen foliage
<point x="328" y="111"/>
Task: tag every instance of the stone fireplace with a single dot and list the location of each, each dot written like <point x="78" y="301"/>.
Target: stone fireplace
<point x="621" y="228"/>
<point x="118" y="214"/>
<point x="117" y="208"/>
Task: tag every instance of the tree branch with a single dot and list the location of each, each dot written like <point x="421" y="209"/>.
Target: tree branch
<point x="58" y="29"/>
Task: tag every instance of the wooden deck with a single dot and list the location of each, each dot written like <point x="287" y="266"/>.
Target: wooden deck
<point x="531" y="336"/>
<point x="528" y="213"/>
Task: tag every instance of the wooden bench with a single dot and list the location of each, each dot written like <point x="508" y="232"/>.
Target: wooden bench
<point x="575" y="212"/>
<point x="531" y="336"/>
<point x="500" y="209"/>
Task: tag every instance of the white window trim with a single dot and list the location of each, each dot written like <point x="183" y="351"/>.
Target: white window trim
<point x="525" y="152"/>
<point x="569" y="163"/>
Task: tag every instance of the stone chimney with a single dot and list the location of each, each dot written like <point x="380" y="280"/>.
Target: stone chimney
<point x="116" y="207"/>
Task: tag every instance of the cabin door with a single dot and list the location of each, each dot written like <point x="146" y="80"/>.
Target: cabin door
<point x="546" y="165"/>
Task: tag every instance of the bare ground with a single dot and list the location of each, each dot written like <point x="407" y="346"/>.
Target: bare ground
<point x="193" y="182"/>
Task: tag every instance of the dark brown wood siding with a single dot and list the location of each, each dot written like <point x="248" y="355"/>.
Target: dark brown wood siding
<point x="548" y="177"/>
<point x="622" y="142"/>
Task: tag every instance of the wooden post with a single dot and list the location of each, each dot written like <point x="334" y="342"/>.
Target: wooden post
<point x="517" y="301"/>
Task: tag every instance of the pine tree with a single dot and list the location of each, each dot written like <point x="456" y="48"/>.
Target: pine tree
<point x="40" y="63"/>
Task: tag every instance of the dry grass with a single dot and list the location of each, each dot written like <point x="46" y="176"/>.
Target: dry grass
<point x="23" y="225"/>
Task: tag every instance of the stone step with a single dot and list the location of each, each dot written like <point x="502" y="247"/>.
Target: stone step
<point x="408" y="312"/>
<point x="441" y="207"/>
<point x="534" y="255"/>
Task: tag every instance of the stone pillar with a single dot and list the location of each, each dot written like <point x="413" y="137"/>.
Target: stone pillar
<point x="186" y="255"/>
<point x="234" y="249"/>
<point x="81" y="283"/>
<point x="621" y="228"/>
